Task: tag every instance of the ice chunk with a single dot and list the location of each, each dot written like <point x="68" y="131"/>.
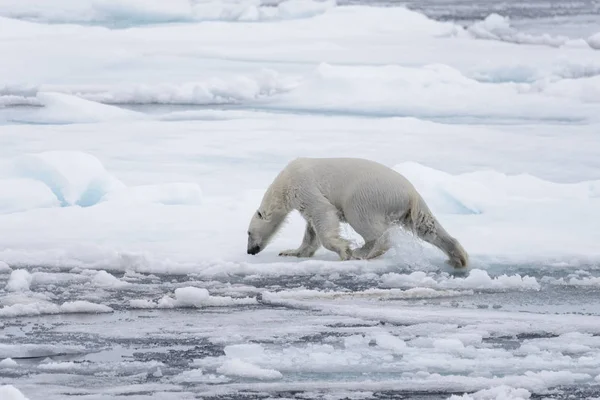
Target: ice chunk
<point x="44" y="307"/>
<point x="217" y="90"/>
<point x="197" y="376"/>
<point x="390" y="342"/>
<point x="244" y="351"/>
<point x="237" y="367"/>
<point x="9" y="392"/>
<point x="192" y="297"/>
<point x="502" y="392"/>
<point x="142" y="303"/>
<point x="449" y="345"/>
<point x="58" y="366"/>
<point x="25" y="194"/>
<point x="142" y="10"/>
<point x="104" y="279"/>
<point x="75" y="178"/>
<point x="199" y="297"/>
<point x="477" y="279"/>
<point x="84" y="307"/>
<point x="594" y="41"/>
<point x="4" y="268"/>
<point x="176" y="193"/>
<point x="497" y="27"/>
<point x="19" y="281"/>
<point x="8" y="363"/>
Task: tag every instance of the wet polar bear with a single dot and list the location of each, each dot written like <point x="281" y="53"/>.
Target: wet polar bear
<point x="367" y="195"/>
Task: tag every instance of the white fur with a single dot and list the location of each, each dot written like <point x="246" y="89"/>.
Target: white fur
<point x="367" y="195"/>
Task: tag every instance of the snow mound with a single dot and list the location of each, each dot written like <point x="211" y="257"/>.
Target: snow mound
<point x="487" y="191"/>
<point x="25" y="194"/>
<point x="19" y="281"/>
<point x="502" y="392"/>
<point x="477" y="280"/>
<point x="9" y="392"/>
<point x="75" y="178"/>
<point x="594" y="41"/>
<point x="175" y="193"/>
<point x="431" y="91"/>
<point x="61" y="108"/>
<point x="497" y="27"/>
<point x="44" y="308"/>
<point x="237" y="367"/>
<point x="192" y="297"/>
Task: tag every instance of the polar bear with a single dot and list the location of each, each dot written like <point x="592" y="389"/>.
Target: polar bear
<point x="369" y="196"/>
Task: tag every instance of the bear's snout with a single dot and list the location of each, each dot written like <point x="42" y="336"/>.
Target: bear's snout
<point x="253" y="250"/>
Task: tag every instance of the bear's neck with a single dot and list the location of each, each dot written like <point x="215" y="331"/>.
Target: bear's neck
<point x="278" y="194"/>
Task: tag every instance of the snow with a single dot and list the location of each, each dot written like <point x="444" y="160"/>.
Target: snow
<point x="9" y="392"/>
<point x="138" y="137"/>
<point x="180" y="193"/>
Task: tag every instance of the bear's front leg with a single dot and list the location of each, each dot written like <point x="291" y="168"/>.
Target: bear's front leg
<point x="326" y="221"/>
<point x="310" y="244"/>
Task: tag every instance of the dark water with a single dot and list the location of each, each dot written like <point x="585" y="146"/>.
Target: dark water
<point x="468" y="10"/>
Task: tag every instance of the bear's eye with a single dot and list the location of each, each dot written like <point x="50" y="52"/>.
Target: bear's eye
<point x="259" y="214"/>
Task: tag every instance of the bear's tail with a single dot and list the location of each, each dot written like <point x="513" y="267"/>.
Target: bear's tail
<point x="421" y="221"/>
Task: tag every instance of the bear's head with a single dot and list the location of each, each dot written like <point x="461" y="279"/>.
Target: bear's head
<point x="263" y="226"/>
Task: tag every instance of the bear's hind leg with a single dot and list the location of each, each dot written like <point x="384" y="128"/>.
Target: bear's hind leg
<point x="363" y="252"/>
<point x="380" y="247"/>
<point x="373" y="229"/>
<point x="310" y="244"/>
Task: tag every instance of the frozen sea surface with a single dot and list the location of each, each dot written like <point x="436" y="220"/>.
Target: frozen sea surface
<point x="137" y="138"/>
